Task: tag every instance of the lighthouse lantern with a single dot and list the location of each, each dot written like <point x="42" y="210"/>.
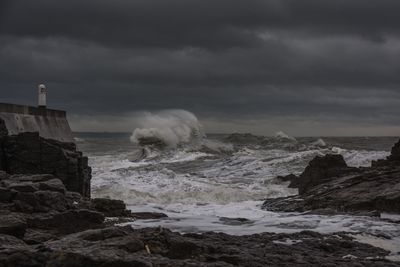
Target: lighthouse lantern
<point x="42" y="96"/>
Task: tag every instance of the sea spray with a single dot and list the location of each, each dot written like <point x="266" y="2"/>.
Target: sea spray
<point x="168" y="128"/>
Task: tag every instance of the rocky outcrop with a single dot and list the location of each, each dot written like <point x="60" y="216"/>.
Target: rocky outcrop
<point x="42" y="203"/>
<point x="110" y="207"/>
<point x="124" y="246"/>
<point x="395" y="155"/>
<point x="28" y="153"/>
<point x="321" y="170"/>
<point x="328" y="184"/>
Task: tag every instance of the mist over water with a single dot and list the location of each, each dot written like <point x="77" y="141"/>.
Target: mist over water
<point x="198" y="179"/>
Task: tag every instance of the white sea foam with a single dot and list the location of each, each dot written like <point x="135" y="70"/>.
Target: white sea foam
<point x="197" y="187"/>
<point x="79" y="140"/>
<point x="283" y="136"/>
<point x="360" y="158"/>
<point x="173" y="127"/>
<point x="319" y="143"/>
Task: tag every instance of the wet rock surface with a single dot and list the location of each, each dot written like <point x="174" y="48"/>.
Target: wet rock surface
<point x="328" y="184"/>
<point x="124" y="246"/>
<point x="28" y="153"/>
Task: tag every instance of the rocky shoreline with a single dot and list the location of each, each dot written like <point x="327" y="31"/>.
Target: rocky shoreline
<point x="47" y="217"/>
<point x="329" y="186"/>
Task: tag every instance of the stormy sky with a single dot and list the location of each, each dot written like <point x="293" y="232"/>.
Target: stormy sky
<point x="309" y="67"/>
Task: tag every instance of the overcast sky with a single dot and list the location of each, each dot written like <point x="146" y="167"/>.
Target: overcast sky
<point x="307" y="67"/>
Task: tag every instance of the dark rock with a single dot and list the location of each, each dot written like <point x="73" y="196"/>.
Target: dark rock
<point x="293" y="179"/>
<point x="124" y="246"/>
<point x="287" y="178"/>
<point x="3" y="174"/>
<point x="110" y="207"/>
<point x="351" y="194"/>
<point x="28" y="153"/>
<point x="27" y="187"/>
<point x="41" y="201"/>
<point x="53" y="185"/>
<point x="12" y="224"/>
<point x="31" y="178"/>
<point x="8" y="241"/>
<point x="235" y="221"/>
<point x="70" y="221"/>
<point x="105" y="247"/>
<point x="395" y="154"/>
<point x="37" y="236"/>
<point x="321" y="170"/>
<point x="327" y="184"/>
<point x="6" y="194"/>
<point x="148" y="215"/>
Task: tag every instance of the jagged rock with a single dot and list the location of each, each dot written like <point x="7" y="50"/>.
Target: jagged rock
<point x="148" y="215"/>
<point x="110" y="207"/>
<point x="41" y="201"/>
<point x="395" y="154"/>
<point x="152" y="247"/>
<point x="124" y="246"/>
<point x="3" y="174"/>
<point x="293" y="179"/>
<point x="328" y="184"/>
<point x="28" y="153"/>
<point x="6" y="194"/>
<point x="349" y="193"/>
<point x="235" y="221"/>
<point x="321" y="170"/>
<point x="27" y="187"/>
<point x="31" y="178"/>
<point x="38" y="236"/>
<point x="12" y="224"/>
<point x="52" y="185"/>
<point x="8" y="241"/>
<point x="70" y="221"/>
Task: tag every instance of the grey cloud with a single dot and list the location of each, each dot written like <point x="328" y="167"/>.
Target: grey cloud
<point x="230" y="60"/>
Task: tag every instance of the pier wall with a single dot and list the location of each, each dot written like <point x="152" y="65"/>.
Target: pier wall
<point x="49" y="123"/>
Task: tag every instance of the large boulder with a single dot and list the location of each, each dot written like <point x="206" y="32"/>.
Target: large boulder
<point x="321" y="170"/>
<point x="28" y="153"/>
<point x="395" y="155"/>
<point x="110" y="207"/>
<point x="12" y="224"/>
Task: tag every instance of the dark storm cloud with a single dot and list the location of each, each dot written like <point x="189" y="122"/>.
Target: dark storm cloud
<point x="206" y="23"/>
<point x="234" y="60"/>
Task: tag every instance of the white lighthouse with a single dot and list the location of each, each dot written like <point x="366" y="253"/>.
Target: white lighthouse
<point x="42" y="96"/>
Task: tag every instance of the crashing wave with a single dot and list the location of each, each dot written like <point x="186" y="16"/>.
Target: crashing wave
<point x="168" y="128"/>
<point x="284" y="137"/>
<point x="319" y="143"/>
<point x="79" y="140"/>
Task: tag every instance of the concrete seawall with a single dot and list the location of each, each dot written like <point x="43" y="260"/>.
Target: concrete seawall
<point x="49" y="123"/>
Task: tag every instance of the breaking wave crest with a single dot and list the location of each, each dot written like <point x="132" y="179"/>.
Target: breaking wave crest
<point x="168" y="128"/>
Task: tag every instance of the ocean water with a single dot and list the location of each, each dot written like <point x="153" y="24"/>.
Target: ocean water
<point x="218" y="182"/>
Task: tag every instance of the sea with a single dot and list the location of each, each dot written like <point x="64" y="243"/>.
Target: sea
<point x="219" y="181"/>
